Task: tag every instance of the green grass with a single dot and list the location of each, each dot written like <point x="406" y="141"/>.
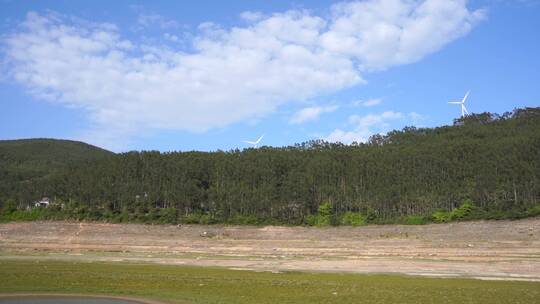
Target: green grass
<point x="181" y="284"/>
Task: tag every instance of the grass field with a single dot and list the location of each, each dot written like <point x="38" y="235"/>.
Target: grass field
<point x="179" y="284"/>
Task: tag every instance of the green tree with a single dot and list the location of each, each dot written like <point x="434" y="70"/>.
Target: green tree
<point x="9" y="206"/>
<point x="325" y="216"/>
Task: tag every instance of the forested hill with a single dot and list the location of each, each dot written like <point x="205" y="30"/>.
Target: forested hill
<point x="49" y="150"/>
<point x="485" y="166"/>
<point x="26" y="160"/>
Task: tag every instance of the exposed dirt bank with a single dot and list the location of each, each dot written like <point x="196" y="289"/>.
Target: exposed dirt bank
<point x="484" y="249"/>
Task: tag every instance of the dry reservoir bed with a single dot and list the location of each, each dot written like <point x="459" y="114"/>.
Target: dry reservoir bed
<point x="485" y="249"/>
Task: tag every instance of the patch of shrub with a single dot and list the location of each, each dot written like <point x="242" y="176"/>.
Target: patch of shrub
<point x="168" y="216"/>
<point x="192" y="218"/>
<point x="311" y="220"/>
<point x="441" y="216"/>
<point x="534" y="211"/>
<point x="372" y="216"/>
<point x="415" y="220"/>
<point x="244" y="220"/>
<point x="26" y="215"/>
<point x="8" y="207"/>
<point x="352" y="219"/>
<point x="325" y="215"/>
<point x="512" y="214"/>
<point x="463" y="211"/>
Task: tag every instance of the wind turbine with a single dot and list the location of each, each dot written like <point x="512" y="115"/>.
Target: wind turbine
<point x="462" y="103"/>
<point x="255" y="143"/>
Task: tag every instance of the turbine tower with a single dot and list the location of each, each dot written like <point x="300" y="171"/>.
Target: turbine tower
<point x="255" y="143"/>
<point x="462" y="103"/>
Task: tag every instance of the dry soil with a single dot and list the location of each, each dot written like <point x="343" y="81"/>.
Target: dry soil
<point x="496" y="250"/>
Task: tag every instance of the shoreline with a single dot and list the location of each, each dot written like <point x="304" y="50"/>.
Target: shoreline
<point x="500" y="250"/>
<point x="157" y="284"/>
<point x="235" y="267"/>
<point x="71" y="295"/>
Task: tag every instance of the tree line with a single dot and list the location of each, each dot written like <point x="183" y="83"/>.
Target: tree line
<point x="484" y="166"/>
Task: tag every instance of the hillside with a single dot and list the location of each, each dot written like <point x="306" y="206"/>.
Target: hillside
<point x="24" y="161"/>
<point x="484" y="166"/>
<point x="45" y="150"/>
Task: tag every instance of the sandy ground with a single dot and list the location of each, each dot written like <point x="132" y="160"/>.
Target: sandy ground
<point x="484" y="250"/>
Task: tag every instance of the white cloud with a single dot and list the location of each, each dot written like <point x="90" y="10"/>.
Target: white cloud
<point x="364" y="126"/>
<point x="367" y="103"/>
<point x="251" y="16"/>
<point x="149" y="20"/>
<point x="383" y="33"/>
<point x="374" y="119"/>
<point x="171" y="37"/>
<point x="348" y="137"/>
<point x="231" y="75"/>
<point x="311" y="113"/>
<point x="416" y="118"/>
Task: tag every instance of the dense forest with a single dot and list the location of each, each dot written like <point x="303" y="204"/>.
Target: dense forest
<point x="484" y="166"/>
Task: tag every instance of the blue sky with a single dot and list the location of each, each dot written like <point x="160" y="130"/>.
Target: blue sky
<point x="167" y="75"/>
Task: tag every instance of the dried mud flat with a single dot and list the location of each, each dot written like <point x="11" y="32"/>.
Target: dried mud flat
<point x="496" y="250"/>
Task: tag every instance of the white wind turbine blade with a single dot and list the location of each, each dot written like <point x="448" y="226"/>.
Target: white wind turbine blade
<point x="465" y="98"/>
<point x="455" y="102"/>
<point x="258" y="140"/>
<point x="464" y="110"/>
<point x="254" y="143"/>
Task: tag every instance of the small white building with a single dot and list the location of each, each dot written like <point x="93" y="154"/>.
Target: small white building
<point x="44" y="202"/>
